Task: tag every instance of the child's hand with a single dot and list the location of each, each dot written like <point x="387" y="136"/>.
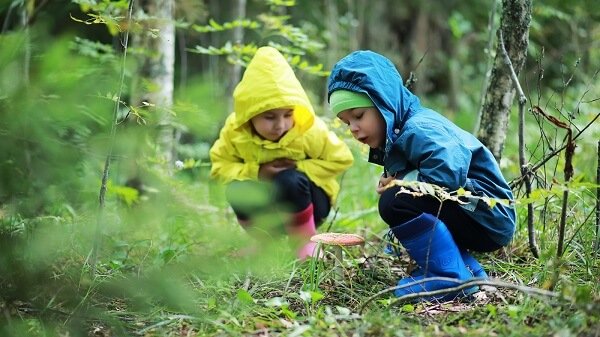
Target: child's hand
<point x="383" y="181"/>
<point x="268" y="170"/>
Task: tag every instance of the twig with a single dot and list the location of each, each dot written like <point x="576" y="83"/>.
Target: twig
<point x="412" y="78"/>
<point x="517" y="181"/>
<point x="568" y="172"/>
<point x="460" y="286"/>
<point x="524" y="165"/>
<point x="143" y="331"/>
<point x="562" y="224"/>
<point x="578" y="229"/>
<point x="553" y="153"/>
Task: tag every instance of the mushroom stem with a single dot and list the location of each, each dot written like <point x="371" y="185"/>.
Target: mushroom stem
<point x="339" y="268"/>
<point x="337" y="240"/>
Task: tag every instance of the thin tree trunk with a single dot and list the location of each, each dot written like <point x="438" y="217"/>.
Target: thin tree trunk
<point x="238" y="38"/>
<point x="454" y="78"/>
<point x="332" y="51"/>
<point x="422" y="45"/>
<point x="158" y="40"/>
<point x="183" y="60"/>
<point x="488" y="63"/>
<point x="214" y="63"/>
<point x="25" y="14"/>
<point x="516" y="17"/>
<point x="354" y="41"/>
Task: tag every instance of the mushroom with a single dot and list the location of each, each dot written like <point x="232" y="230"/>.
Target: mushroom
<point x="337" y="240"/>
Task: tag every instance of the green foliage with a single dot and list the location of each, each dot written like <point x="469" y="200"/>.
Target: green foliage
<point x="273" y="30"/>
<point x="49" y="123"/>
<point x="198" y="111"/>
<point x="95" y="50"/>
<point x="106" y="12"/>
<point x="171" y="257"/>
<point x="213" y="26"/>
<point x="459" y="26"/>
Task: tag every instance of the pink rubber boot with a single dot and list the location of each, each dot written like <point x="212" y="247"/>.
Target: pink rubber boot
<point x="302" y="229"/>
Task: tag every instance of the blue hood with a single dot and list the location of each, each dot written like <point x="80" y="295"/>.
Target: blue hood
<point x="373" y="74"/>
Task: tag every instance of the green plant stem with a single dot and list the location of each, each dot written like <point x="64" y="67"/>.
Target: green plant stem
<point x="113" y="131"/>
<point x="597" y="245"/>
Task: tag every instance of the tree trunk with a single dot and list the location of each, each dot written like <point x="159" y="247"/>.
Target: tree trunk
<point x="516" y="16"/>
<point x="157" y="38"/>
<point x="238" y="38"/>
<point x="333" y="51"/>
<point x="25" y="16"/>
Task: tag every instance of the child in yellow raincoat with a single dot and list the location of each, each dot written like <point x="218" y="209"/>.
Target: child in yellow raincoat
<point x="273" y="138"/>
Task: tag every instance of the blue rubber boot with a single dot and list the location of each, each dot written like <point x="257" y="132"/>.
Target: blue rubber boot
<point x="392" y="246"/>
<point x="473" y="265"/>
<point x="428" y="241"/>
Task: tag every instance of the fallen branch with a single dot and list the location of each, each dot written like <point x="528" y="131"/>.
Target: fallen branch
<point x="460" y="286"/>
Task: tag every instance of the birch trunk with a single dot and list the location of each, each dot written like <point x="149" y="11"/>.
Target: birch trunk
<point x="238" y="39"/>
<point x="332" y="52"/>
<point x="157" y="39"/>
<point x="516" y="17"/>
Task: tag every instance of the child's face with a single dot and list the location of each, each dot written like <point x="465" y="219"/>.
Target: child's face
<point x="366" y="124"/>
<point x="273" y="124"/>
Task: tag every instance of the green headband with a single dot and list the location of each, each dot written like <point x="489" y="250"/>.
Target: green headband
<point x="341" y="100"/>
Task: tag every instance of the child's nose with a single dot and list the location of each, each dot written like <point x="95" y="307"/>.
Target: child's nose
<point x="280" y="124"/>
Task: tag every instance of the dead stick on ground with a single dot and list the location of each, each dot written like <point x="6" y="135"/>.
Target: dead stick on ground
<point x="461" y="285"/>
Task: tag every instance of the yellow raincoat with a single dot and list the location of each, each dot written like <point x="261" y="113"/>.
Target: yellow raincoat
<point x="269" y="83"/>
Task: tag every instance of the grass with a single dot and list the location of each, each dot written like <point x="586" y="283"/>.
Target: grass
<point x="169" y="267"/>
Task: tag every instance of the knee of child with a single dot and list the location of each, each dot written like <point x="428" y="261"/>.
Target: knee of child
<point x="386" y="207"/>
<point x="291" y="179"/>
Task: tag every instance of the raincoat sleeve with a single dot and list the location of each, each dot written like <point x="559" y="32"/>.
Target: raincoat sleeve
<point x="227" y="165"/>
<point x="328" y="156"/>
<point x="439" y="156"/>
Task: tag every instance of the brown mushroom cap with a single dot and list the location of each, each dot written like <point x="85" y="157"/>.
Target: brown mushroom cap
<point x="338" y="239"/>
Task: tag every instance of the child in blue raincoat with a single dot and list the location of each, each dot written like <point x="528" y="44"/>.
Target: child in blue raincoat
<point x="413" y="142"/>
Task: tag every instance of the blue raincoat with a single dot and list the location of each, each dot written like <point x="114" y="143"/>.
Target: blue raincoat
<point x="421" y="139"/>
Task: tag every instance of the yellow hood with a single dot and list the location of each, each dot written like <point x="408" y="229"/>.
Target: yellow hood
<point x="269" y="83"/>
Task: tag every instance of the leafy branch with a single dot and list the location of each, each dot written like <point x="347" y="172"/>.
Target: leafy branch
<point x="419" y="189"/>
<point x="268" y="26"/>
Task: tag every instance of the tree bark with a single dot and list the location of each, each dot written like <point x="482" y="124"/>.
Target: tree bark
<point x="516" y="17"/>
<point x="238" y="38"/>
<point x="157" y="69"/>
